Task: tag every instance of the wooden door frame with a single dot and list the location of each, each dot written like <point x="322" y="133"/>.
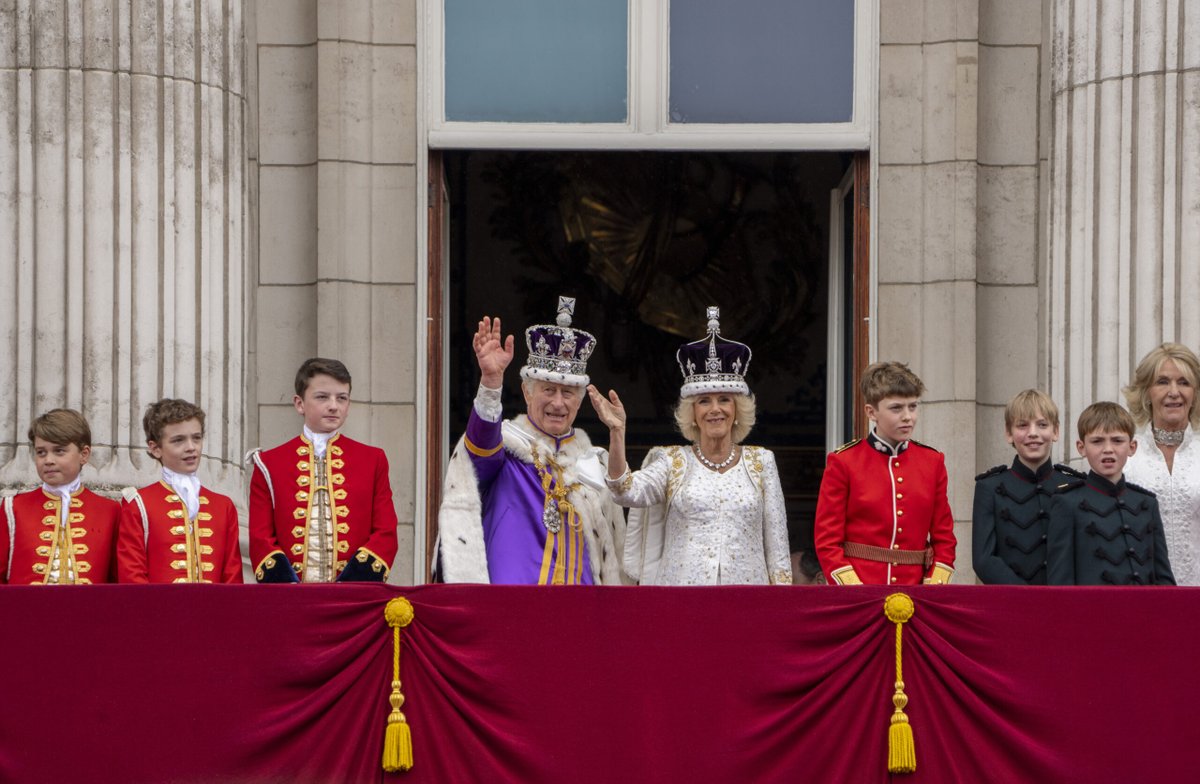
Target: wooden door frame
<point x="860" y="310"/>
<point x="435" y="343"/>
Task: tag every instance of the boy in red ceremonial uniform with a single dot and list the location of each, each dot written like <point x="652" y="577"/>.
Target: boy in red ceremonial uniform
<point x="882" y="513"/>
<point x="321" y="504"/>
<point x="62" y="533"/>
<point x="176" y="530"/>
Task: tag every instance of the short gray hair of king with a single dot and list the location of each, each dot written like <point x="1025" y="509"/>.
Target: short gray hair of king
<point x="743" y="420"/>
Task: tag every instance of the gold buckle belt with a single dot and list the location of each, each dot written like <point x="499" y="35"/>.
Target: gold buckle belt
<point x="895" y="557"/>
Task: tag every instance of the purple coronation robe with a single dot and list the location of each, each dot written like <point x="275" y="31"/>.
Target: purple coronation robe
<point x="515" y="493"/>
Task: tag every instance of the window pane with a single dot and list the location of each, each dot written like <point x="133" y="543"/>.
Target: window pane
<point x="536" y="60"/>
<point x="762" y="61"/>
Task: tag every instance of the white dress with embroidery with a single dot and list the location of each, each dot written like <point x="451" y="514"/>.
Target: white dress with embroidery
<point x="1178" y="492"/>
<point x="691" y="525"/>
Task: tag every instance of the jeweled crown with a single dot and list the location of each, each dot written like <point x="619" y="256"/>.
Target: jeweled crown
<point x="713" y="364"/>
<point x="558" y="352"/>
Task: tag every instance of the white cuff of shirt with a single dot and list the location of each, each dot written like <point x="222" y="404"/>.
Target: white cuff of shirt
<point x="487" y="404"/>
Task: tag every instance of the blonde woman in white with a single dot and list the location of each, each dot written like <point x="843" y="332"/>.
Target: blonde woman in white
<point x="712" y="512"/>
<point x="1162" y="400"/>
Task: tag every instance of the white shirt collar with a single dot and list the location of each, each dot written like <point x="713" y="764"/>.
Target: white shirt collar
<point x="319" y="440"/>
<point x="187" y="486"/>
<point x="66" y="490"/>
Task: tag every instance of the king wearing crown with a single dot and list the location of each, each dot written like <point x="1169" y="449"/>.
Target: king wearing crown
<point x="525" y="500"/>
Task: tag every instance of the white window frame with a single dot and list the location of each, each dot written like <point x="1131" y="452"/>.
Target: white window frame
<point x="647" y="126"/>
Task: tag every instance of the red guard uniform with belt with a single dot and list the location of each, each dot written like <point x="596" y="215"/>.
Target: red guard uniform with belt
<point x="885" y="500"/>
<point x="360" y="499"/>
<point x="33" y="537"/>
<point x="157" y="543"/>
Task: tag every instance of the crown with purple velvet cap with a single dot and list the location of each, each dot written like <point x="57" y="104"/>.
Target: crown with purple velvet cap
<point x="713" y="364"/>
<point x="558" y="353"/>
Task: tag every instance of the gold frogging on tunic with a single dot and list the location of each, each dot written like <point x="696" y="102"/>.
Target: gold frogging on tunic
<point x="321" y="488"/>
<point x="60" y="567"/>
<point x="192" y="564"/>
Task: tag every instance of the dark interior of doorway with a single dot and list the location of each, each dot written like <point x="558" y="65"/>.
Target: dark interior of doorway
<point x="645" y="241"/>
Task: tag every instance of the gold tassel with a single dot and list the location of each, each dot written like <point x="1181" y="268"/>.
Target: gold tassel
<point x="902" y="752"/>
<point x="397" y="739"/>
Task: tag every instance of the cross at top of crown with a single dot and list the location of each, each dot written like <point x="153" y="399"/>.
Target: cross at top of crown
<point x="566" y="309"/>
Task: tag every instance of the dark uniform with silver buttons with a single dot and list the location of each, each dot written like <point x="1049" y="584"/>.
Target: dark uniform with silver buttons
<point x="1106" y="534"/>
<point x="1012" y="507"/>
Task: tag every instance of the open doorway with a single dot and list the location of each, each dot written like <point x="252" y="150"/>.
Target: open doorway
<point x="645" y="241"/>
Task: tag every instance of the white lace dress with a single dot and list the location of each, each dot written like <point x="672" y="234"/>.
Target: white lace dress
<point x="711" y="528"/>
<point x="1178" y="494"/>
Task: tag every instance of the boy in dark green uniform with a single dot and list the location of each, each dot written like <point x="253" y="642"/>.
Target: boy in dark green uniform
<point x="1012" y="502"/>
<point x="1103" y="530"/>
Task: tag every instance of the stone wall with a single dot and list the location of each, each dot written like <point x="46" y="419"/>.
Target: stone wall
<point x="1124" y="185"/>
<point x="958" y="240"/>
<point x="122" y="222"/>
<point x="333" y="169"/>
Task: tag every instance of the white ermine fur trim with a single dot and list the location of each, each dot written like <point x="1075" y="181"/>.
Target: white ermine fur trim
<point x="460" y="520"/>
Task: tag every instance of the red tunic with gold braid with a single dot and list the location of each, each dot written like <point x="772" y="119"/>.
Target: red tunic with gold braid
<point x="157" y="542"/>
<point x="283" y="491"/>
<point x="892" y="500"/>
<point x="36" y="547"/>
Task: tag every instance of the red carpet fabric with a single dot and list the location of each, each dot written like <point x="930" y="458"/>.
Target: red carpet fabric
<point x="595" y="684"/>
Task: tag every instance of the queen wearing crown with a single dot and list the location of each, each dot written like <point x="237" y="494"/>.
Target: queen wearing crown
<point x="525" y="499"/>
<point x="710" y="513"/>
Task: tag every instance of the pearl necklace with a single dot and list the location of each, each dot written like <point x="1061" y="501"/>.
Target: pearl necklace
<point x="1167" y="437"/>
<point x="718" y="467"/>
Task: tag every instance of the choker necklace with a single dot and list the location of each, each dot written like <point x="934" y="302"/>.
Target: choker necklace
<point x="710" y="464"/>
<point x="1167" y="437"/>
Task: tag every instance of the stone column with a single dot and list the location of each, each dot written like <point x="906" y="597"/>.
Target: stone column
<point x="121" y="225"/>
<point x="926" y="224"/>
<point x="334" y="156"/>
<point x="1124" y="265"/>
<point x="1011" y="228"/>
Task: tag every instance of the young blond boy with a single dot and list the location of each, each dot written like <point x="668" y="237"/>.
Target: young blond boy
<point x="321" y="504"/>
<point x="882" y="512"/>
<point x="61" y="533"/>
<point x="1012" y="502"/>
<point x="1104" y="530"/>
<point x="176" y="530"/>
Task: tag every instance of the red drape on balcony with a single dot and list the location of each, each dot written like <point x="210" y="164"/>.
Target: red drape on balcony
<point x="290" y="683"/>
